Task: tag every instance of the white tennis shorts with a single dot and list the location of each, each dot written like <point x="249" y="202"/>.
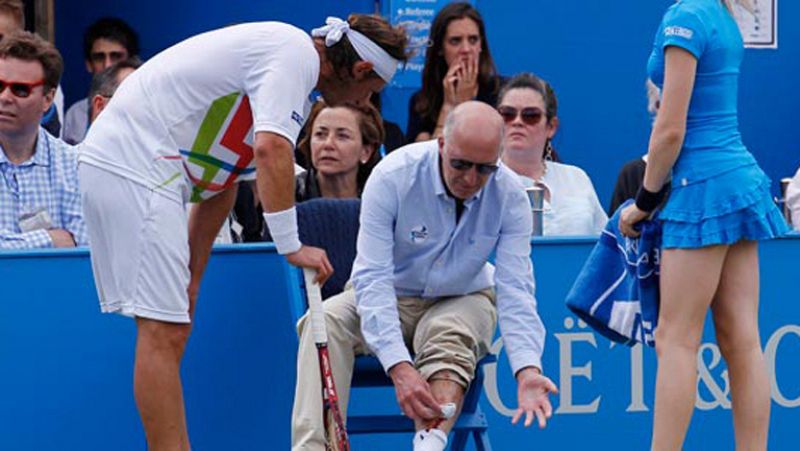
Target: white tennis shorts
<point x="139" y="247"/>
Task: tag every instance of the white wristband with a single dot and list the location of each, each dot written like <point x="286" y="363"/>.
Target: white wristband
<point x="283" y="228"/>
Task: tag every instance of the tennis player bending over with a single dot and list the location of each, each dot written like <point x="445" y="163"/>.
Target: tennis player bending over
<point x="218" y="108"/>
<point x="431" y="215"/>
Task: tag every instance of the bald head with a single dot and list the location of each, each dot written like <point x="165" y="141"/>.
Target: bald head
<point x="472" y="121"/>
<point x="470" y="148"/>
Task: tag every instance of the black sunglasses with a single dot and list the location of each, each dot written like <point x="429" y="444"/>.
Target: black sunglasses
<point x="530" y="115"/>
<point x="19" y="88"/>
<point x="464" y="165"/>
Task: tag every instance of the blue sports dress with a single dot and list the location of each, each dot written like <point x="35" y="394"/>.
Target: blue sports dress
<point x="719" y="193"/>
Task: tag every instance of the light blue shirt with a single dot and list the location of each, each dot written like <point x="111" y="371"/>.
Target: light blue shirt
<point x="410" y="244"/>
<point x="48" y="181"/>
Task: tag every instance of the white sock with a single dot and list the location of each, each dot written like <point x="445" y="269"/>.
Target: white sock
<point x="430" y="440"/>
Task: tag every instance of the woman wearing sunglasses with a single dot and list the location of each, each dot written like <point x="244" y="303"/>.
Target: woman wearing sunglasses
<point x="719" y="207"/>
<point x="458" y="67"/>
<point x="529" y="108"/>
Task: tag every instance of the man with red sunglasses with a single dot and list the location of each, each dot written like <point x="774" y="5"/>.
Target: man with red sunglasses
<point x="39" y="201"/>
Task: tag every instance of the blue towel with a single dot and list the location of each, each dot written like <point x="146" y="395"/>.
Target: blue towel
<point x="616" y="292"/>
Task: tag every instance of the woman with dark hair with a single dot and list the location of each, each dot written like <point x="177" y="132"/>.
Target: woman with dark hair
<point x="458" y="67"/>
<point x="719" y="207"/>
<point x="341" y="144"/>
<point x="529" y="108"/>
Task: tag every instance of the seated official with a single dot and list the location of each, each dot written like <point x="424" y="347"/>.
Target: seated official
<point x="793" y="200"/>
<point x="342" y="145"/>
<point x="529" y="108"/>
<point x="40" y="205"/>
<point x="431" y="215"/>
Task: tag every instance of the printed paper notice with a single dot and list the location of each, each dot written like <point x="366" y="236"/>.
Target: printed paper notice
<point x="759" y="27"/>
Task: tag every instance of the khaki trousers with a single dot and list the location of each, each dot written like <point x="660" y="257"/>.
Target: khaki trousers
<point x="443" y="334"/>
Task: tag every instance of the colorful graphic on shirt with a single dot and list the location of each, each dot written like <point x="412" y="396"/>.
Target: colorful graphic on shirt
<point x="221" y="153"/>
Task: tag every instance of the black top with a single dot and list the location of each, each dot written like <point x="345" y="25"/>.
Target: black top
<point x="394" y="136"/>
<point x="629" y="180"/>
<point x="417" y="125"/>
<point x="50" y="121"/>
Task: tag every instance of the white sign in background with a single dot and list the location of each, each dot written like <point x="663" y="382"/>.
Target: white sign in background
<point x="759" y="27"/>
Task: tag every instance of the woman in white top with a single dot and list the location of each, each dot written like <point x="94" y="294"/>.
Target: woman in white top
<point x="529" y="108"/>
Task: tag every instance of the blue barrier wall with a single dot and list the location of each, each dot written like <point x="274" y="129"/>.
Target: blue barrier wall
<point x="65" y="369"/>
<point x="593" y="52"/>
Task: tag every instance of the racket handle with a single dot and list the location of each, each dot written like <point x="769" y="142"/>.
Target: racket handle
<point x="315" y="312"/>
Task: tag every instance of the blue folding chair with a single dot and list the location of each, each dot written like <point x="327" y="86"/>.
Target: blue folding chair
<point x="332" y="224"/>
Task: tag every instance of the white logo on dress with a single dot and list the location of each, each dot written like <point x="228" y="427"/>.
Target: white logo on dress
<point x="678" y="31"/>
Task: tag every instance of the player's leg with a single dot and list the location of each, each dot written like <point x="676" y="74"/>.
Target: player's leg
<point x="689" y="279"/>
<point x="139" y="249"/>
<point x="735" y="310"/>
<point x="157" y="383"/>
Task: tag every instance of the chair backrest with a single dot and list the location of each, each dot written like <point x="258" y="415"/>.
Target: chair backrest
<point x="331" y="224"/>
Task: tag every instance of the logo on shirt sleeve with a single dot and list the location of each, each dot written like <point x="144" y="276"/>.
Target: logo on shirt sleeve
<point x="297" y="118"/>
<point x="419" y="234"/>
<point x="679" y="32"/>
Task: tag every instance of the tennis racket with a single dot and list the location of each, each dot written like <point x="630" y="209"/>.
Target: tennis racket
<point x="335" y="432"/>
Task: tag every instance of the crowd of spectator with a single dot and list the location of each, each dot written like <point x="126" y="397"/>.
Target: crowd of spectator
<point x="338" y="149"/>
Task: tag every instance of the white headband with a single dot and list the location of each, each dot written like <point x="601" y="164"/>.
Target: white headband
<point x="382" y="63"/>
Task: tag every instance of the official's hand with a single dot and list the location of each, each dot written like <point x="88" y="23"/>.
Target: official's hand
<point x="533" y="390"/>
<point x="312" y="258"/>
<point x="413" y="393"/>
<point x="628" y="218"/>
<point x="61" y="238"/>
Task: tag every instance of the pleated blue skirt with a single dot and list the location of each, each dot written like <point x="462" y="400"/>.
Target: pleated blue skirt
<point x="724" y="209"/>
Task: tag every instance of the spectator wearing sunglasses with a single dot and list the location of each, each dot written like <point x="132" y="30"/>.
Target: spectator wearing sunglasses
<point x="431" y="215"/>
<point x="458" y="67"/>
<point x="39" y="201"/>
<point x="529" y="107"/>
<point x="107" y="41"/>
<point x="12" y="18"/>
